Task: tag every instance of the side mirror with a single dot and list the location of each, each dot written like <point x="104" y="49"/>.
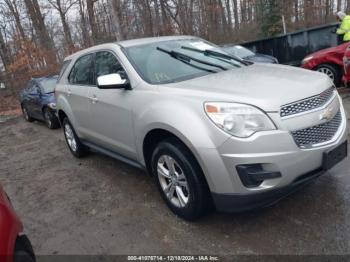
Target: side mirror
<point x="113" y="81"/>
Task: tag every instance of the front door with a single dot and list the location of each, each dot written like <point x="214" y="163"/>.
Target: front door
<point x="110" y="111"/>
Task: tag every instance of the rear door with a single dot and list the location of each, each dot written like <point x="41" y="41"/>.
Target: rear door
<point x="111" y="112"/>
<point x="80" y="81"/>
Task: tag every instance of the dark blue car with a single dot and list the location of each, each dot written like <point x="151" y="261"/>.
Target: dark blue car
<point x="247" y="55"/>
<point x="38" y="101"/>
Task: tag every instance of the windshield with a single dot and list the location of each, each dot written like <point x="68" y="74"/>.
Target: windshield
<point x="239" y="51"/>
<point x="179" y="60"/>
<point x="48" y="84"/>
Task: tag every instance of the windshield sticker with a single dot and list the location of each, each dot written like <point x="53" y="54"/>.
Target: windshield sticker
<point x="201" y="46"/>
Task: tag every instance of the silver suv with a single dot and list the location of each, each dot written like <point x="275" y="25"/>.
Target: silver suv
<point x="212" y="130"/>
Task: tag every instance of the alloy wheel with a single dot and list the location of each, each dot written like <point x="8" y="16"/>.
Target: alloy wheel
<point x="173" y="181"/>
<point x="68" y="131"/>
<point x="25" y="113"/>
<point x="327" y="71"/>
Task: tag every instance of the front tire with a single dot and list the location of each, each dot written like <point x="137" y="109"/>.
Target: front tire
<point x="332" y="71"/>
<point x="180" y="180"/>
<point x="73" y="141"/>
<point x="51" y="120"/>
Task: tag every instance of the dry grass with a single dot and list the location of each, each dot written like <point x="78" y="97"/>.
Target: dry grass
<point x="9" y="106"/>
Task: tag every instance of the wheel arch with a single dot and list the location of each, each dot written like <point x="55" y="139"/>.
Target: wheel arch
<point x="156" y="135"/>
<point x="64" y="109"/>
<point x="330" y="63"/>
<point x="336" y="66"/>
<point x="61" y="116"/>
<point x="43" y="107"/>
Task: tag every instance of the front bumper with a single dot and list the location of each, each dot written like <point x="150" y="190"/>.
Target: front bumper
<point x="239" y="202"/>
<point x="277" y="152"/>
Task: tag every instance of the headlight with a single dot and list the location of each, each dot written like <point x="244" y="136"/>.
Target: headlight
<point x="52" y="105"/>
<point x="307" y="59"/>
<point x="239" y="120"/>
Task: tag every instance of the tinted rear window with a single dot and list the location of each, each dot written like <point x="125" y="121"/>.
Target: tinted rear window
<point x="63" y="68"/>
<point x="82" y="72"/>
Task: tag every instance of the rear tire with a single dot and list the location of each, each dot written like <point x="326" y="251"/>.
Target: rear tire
<point x="180" y="180"/>
<point x="26" y="115"/>
<point x="50" y="119"/>
<point x="74" y="144"/>
<point x="332" y="71"/>
<point x="23" y="250"/>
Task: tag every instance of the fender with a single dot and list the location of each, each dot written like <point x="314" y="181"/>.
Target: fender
<point x="63" y="105"/>
<point x="184" y="122"/>
<point x="332" y="58"/>
<point x="10" y="228"/>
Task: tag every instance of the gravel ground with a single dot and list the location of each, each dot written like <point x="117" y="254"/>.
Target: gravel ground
<point x="98" y="205"/>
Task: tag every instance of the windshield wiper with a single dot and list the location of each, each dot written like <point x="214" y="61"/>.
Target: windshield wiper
<point x="188" y="59"/>
<point x="217" y="54"/>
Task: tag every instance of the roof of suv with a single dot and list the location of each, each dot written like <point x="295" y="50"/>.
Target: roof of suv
<point x="150" y="40"/>
<point x="133" y="42"/>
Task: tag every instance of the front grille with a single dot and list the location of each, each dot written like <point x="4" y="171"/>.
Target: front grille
<point x="318" y="134"/>
<point x="307" y="104"/>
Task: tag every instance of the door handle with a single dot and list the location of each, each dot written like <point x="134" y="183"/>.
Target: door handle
<point x="93" y="99"/>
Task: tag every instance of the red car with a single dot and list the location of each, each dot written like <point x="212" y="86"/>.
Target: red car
<point x="328" y="61"/>
<point x="14" y="245"/>
<point x="346" y="61"/>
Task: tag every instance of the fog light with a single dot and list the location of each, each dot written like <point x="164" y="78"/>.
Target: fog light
<point x="254" y="175"/>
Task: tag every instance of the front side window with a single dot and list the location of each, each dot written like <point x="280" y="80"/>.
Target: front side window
<point x="179" y="60"/>
<point x="106" y="63"/>
<point x="82" y="72"/>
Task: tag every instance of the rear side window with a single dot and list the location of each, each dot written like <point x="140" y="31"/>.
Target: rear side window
<point x="63" y="69"/>
<point x="82" y="72"/>
<point x="106" y="63"/>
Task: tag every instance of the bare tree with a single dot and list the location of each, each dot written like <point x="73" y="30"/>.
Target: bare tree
<point x="92" y="20"/>
<point x="4" y="52"/>
<point x="37" y="19"/>
<point x="114" y="6"/>
<point x="12" y="6"/>
<point x="62" y="7"/>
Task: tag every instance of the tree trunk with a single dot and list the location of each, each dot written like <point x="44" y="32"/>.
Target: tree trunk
<point x="4" y="53"/>
<point x="40" y="28"/>
<point x="229" y="15"/>
<point x="92" y="21"/>
<point x="116" y="22"/>
<point x="66" y="30"/>
<point x="235" y="14"/>
<point x="15" y="14"/>
<point x="166" y="28"/>
<point x="85" y="34"/>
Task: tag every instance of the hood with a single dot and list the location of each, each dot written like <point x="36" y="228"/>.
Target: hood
<point x="260" y="58"/>
<point x="335" y="49"/>
<point x="49" y="97"/>
<point x="266" y="86"/>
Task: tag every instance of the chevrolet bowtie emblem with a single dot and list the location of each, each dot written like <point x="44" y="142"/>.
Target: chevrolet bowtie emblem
<point x="327" y="114"/>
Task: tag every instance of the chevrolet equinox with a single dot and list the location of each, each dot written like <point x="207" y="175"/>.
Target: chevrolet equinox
<point x="212" y="129"/>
